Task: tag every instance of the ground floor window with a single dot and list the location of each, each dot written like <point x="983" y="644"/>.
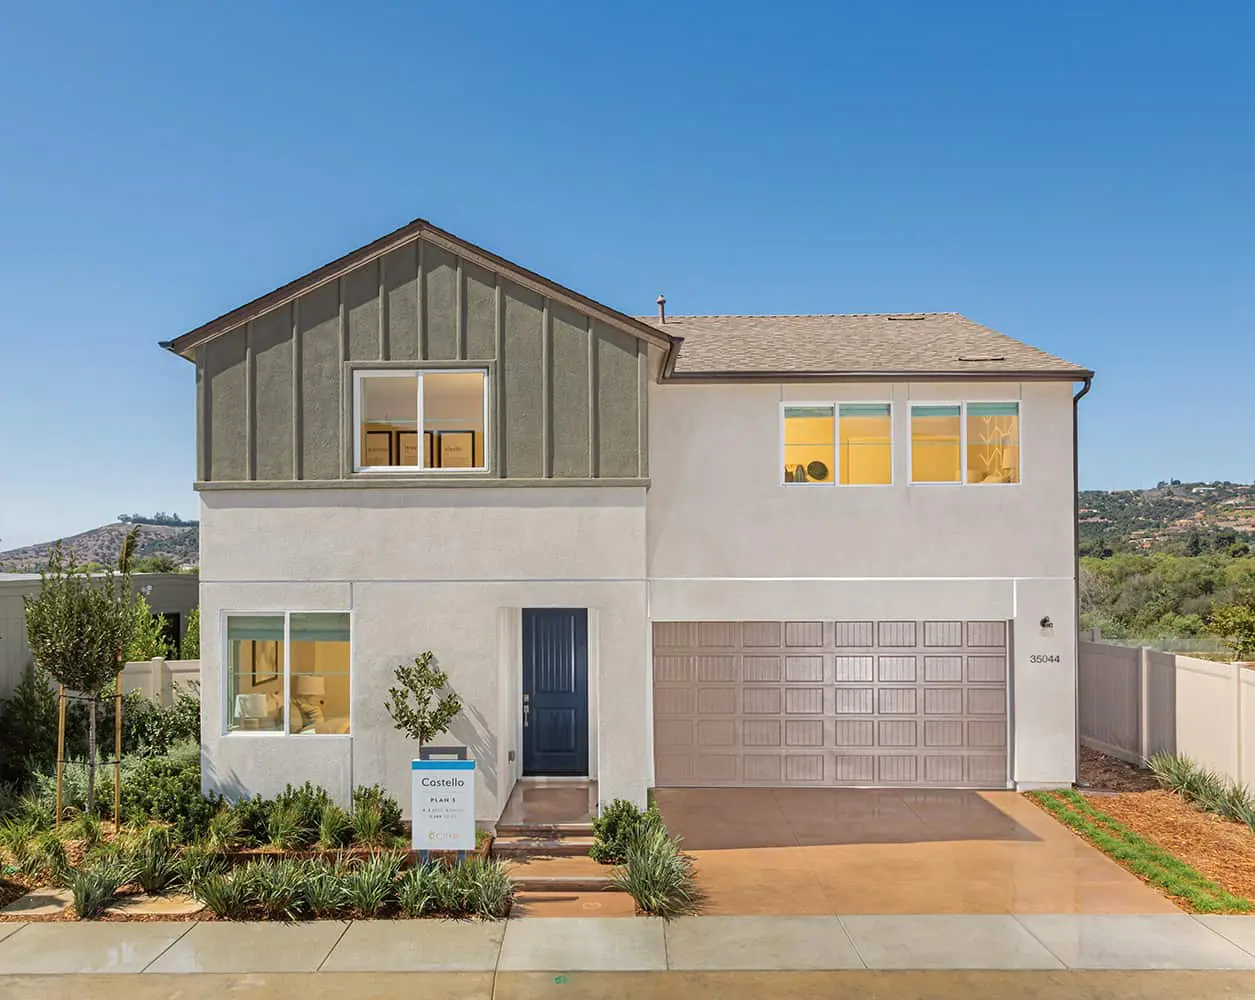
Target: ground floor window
<point x="288" y="672"/>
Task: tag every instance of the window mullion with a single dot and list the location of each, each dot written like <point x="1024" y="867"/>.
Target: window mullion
<point x="420" y="443"/>
<point x="963" y="443"/>
<point x="287" y="675"/>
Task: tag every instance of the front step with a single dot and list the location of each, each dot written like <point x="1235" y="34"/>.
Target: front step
<point x="560" y="875"/>
<point x="545" y="830"/>
<point x="521" y="846"/>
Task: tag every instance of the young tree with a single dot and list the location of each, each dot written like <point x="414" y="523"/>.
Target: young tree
<point x="78" y="628"/>
<point x="410" y="703"/>
<point x="1235" y="624"/>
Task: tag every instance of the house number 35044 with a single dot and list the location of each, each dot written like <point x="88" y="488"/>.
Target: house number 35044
<point x="1044" y="658"/>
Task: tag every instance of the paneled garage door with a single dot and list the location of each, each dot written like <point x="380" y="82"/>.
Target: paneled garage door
<point x="831" y="703"/>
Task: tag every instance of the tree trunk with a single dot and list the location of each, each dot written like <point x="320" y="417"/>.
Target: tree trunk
<point x="91" y="755"/>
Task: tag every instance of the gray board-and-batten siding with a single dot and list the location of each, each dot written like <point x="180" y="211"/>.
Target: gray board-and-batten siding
<point x="567" y="391"/>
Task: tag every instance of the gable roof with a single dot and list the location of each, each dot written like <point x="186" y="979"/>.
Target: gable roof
<point x="884" y="345"/>
<point x="410" y="232"/>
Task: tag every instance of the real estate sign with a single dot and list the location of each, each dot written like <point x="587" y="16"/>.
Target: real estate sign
<point x="443" y="805"/>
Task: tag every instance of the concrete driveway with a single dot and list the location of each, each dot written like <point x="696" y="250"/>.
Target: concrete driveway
<point x="810" y="851"/>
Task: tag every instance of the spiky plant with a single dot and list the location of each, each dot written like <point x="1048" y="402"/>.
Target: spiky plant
<point x="658" y="875"/>
<point x="371" y="884"/>
<point x="95" y="886"/>
<point x="335" y="827"/>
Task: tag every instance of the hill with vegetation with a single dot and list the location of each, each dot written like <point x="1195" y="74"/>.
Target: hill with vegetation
<point x="1187" y="519"/>
<point x="166" y="543"/>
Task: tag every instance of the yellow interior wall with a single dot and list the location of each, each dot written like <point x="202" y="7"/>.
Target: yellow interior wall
<point x="809" y="439"/>
<point x="866" y="450"/>
<point x="329" y="660"/>
<point x="993" y="449"/>
<point x="935" y="449"/>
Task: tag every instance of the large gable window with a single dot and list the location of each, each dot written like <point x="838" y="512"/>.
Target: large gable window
<point x="421" y="420"/>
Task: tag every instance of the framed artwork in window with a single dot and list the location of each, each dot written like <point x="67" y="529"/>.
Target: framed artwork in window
<point x="266" y="665"/>
<point x="457" y="449"/>
<point x="378" y="448"/>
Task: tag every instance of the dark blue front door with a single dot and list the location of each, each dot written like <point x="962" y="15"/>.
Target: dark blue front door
<point x="555" y="691"/>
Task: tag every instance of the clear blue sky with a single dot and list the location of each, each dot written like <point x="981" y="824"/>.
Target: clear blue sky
<point x="1080" y="175"/>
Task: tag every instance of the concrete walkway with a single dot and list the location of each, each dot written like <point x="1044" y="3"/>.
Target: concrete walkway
<point x="697" y="944"/>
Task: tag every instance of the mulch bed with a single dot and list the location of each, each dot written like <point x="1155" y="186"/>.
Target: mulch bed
<point x="1222" y="850"/>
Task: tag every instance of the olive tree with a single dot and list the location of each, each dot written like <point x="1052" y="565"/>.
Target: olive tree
<point x="416" y="704"/>
<point x="78" y="627"/>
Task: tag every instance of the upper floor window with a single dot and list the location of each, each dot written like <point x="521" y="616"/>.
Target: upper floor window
<point x="846" y="444"/>
<point x="288" y="673"/>
<point x="421" y="420"/>
<point x="965" y="443"/>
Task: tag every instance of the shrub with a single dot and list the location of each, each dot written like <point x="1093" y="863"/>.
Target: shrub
<point x="189" y="648"/>
<point x="489" y="888"/>
<point x="47" y="860"/>
<point x="152" y="730"/>
<point x="302" y="810"/>
<point x="154" y="861"/>
<point x="167" y="789"/>
<point x="228" y="894"/>
<point x="614" y="829"/>
<point x="1203" y="788"/>
<point x="94" y="887"/>
<point x="286" y="828"/>
<point x="389" y="809"/>
<point x="253" y="816"/>
<point x="335" y="827"/>
<point x="370" y="885"/>
<point x="279" y="887"/>
<point x="88" y="829"/>
<point x="475" y="887"/>
<point x="148" y="633"/>
<point x="224" y="830"/>
<point x="17" y="834"/>
<point x="419" y="890"/>
<point x="28" y="729"/>
<point x="195" y="864"/>
<point x="368" y="825"/>
<point x="657" y="874"/>
<point x="324" y="889"/>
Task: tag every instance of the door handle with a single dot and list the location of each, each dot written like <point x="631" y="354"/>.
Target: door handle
<point x="527" y="709"/>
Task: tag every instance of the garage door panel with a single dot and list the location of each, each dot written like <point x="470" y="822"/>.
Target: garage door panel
<point x="762" y="669"/>
<point x="853" y="702"/>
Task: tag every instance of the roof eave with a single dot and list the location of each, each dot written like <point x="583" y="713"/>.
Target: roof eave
<point x="186" y="344"/>
<point x="1023" y="375"/>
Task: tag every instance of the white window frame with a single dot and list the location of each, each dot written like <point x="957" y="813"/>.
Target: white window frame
<point x="962" y="405"/>
<point x="225" y="687"/>
<point x="360" y="375"/>
<point x="789" y="404"/>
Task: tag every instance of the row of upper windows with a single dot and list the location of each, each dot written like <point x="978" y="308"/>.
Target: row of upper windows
<point x="851" y="444"/>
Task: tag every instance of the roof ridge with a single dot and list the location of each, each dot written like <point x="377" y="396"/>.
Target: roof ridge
<point x="672" y="316"/>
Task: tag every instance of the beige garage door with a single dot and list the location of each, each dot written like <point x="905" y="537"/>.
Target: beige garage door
<point x="831" y="703"/>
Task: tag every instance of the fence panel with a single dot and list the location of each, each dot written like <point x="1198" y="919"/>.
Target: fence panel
<point x="1161" y="703"/>
<point x="1110" y="699"/>
<point x="1207" y="719"/>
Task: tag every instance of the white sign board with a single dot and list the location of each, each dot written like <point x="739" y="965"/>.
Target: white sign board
<point x="442" y="804"/>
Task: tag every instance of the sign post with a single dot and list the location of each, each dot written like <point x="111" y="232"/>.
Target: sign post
<point x="442" y="805"/>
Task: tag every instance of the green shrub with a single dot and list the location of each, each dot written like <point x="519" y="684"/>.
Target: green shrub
<point x="47" y="861"/>
<point x="287" y="829"/>
<point x="389" y="809"/>
<point x="28" y="729"/>
<point x="489" y="890"/>
<point x="473" y="888"/>
<point x="195" y="864"/>
<point x="224" y="830"/>
<point x="324" y="890"/>
<point x="154" y="860"/>
<point x="306" y="802"/>
<point x="17" y="834"/>
<point x="368" y="825"/>
<point x="335" y="827"/>
<point x="1203" y="788"/>
<point x="614" y="829"/>
<point x="167" y="789"/>
<point x="228" y="894"/>
<point x="370" y="885"/>
<point x="657" y="874"/>
<point x="152" y="730"/>
<point x="253" y="817"/>
<point x="189" y="648"/>
<point x="419" y="890"/>
<point x="279" y="887"/>
<point x="94" y="887"/>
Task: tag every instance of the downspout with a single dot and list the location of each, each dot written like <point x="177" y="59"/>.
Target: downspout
<point x="1076" y="570"/>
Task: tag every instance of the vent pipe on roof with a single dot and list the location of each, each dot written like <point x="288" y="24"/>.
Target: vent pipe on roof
<point x="662" y="308"/>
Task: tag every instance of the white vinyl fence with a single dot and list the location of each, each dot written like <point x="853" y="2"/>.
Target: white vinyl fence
<point x="1135" y="702"/>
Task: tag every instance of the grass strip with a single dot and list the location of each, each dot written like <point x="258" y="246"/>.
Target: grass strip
<point x="1139" y="855"/>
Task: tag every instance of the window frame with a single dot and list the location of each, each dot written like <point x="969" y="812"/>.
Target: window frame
<point x="225" y="686"/>
<point x="419" y="371"/>
<point x="962" y="405"/>
<point x="836" y="442"/>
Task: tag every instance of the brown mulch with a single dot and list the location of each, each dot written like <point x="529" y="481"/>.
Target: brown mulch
<point x="1100" y="772"/>
<point x="1222" y="850"/>
<point x="11" y="891"/>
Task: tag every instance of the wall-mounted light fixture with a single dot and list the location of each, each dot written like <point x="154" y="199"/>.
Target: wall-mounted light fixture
<point x="1046" y="622"/>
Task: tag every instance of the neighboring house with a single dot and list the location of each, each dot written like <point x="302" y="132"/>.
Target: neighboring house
<point x="170" y="594"/>
<point x="715" y="550"/>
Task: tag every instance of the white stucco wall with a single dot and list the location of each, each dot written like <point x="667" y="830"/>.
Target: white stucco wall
<point x="728" y="540"/>
<point x="444" y="570"/>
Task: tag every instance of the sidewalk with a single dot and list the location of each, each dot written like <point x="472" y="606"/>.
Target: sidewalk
<point x="694" y="944"/>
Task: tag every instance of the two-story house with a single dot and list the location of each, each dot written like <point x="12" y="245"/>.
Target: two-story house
<point x="699" y="550"/>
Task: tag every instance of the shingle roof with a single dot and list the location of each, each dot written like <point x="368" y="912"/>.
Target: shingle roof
<point x="857" y="345"/>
